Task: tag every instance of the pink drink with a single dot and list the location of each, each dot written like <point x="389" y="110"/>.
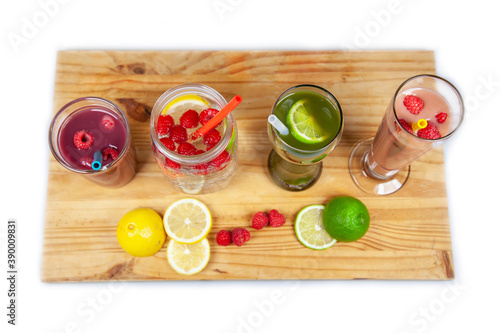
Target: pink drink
<point x="89" y="125"/>
<point x="108" y="133"/>
<point x="434" y="104"/>
<point x="425" y="111"/>
<point x="396" y="145"/>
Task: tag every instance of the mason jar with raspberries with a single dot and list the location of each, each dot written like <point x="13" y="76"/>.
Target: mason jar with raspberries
<point x="203" y="165"/>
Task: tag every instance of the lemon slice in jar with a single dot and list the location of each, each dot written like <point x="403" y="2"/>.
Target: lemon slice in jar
<point x="184" y="103"/>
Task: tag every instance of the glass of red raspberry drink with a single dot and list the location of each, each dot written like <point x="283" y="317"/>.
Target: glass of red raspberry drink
<point x="91" y="136"/>
<point x="194" y="166"/>
<point x="425" y="111"/>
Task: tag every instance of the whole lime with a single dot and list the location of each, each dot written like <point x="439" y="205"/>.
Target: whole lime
<point x="346" y="219"/>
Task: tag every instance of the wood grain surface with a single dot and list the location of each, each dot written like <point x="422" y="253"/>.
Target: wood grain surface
<point x="409" y="236"/>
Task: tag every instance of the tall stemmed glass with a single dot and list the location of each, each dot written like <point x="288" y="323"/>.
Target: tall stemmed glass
<point x="381" y="165"/>
<point x="295" y="165"/>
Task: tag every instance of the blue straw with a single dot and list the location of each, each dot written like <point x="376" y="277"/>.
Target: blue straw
<point x="97" y="163"/>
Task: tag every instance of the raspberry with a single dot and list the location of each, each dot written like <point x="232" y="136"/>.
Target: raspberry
<point x="83" y="139"/>
<point x="110" y="152"/>
<point x="168" y="143"/>
<point x="430" y="132"/>
<point x="208" y="114"/>
<point x="406" y="126"/>
<point x="108" y="122"/>
<point x="413" y="103"/>
<point x="276" y="219"/>
<point x="211" y="138"/>
<point x="219" y="160"/>
<point x="171" y="164"/>
<point x="240" y="236"/>
<point x="189" y="119"/>
<point x="260" y="220"/>
<point x="164" y="124"/>
<point x="441" y="117"/>
<point x="178" y="134"/>
<point x="186" y="148"/>
<point x="202" y="169"/>
<point x="223" y="237"/>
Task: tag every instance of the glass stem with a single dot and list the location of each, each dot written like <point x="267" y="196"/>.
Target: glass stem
<point x="375" y="170"/>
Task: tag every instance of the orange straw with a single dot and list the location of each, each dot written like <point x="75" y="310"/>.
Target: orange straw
<point x="212" y="123"/>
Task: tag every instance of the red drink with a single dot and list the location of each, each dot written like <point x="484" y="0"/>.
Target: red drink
<point x="108" y="133"/>
<point x="88" y="126"/>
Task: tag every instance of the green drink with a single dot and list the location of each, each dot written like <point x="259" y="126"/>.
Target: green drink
<point x="314" y="119"/>
<point x="317" y="112"/>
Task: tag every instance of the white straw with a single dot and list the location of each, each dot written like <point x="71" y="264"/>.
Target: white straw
<point x="280" y="127"/>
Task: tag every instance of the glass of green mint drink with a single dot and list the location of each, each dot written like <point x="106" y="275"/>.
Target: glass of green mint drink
<point x="314" y="120"/>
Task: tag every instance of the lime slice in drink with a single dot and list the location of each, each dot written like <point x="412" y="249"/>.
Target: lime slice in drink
<point x="310" y="230"/>
<point x="303" y="125"/>
<point x="230" y="145"/>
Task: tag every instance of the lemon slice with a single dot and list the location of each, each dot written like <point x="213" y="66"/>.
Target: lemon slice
<point x="187" y="221"/>
<point x="186" y="102"/>
<point x="188" y="259"/>
<point x="303" y="125"/>
<point x="310" y="230"/>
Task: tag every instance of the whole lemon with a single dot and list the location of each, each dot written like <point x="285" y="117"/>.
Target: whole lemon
<point x="140" y="232"/>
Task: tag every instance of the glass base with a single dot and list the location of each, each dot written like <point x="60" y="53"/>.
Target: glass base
<point x="292" y="177"/>
<point x="366" y="180"/>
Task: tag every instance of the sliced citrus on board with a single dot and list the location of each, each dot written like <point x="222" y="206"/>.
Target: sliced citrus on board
<point x="187" y="221"/>
<point x="302" y="124"/>
<point x="309" y="228"/>
<point x="184" y="103"/>
<point x="188" y="259"/>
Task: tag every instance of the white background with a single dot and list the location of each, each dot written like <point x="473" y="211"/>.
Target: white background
<point x="465" y="40"/>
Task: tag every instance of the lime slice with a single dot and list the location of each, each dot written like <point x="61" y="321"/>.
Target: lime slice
<point x="303" y="125"/>
<point x="184" y="103"/>
<point x="187" y="221"/>
<point x="188" y="259"/>
<point x="309" y="228"/>
<point x="230" y="145"/>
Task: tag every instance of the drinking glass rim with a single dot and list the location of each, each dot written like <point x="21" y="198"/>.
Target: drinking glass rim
<point x="108" y="166"/>
<point x="329" y="143"/>
<point x="440" y="79"/>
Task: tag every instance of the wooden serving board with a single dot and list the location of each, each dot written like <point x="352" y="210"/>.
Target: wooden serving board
<point x="409" y="236"/>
